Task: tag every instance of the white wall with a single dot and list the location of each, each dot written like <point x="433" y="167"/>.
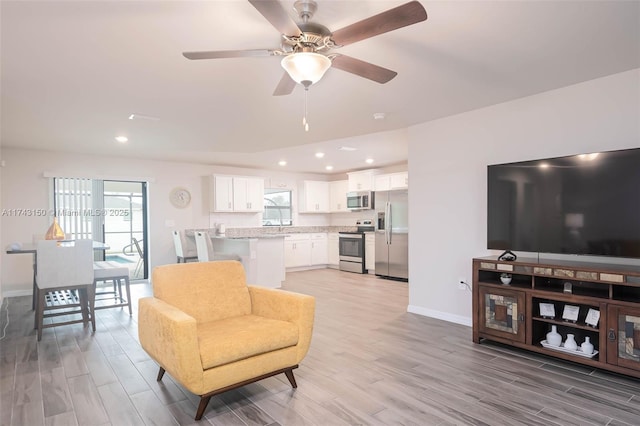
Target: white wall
<point x="25" y="187"/>
<point x="447" y="167"/>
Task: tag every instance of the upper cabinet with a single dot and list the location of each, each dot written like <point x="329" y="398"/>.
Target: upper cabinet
<point x="391" y="181"/>
<point x="338" y="196"/>
<point x="362" y="181"/>
<point x="236" y="194"/>
<point x="248" y="194"/>
<point x="315" y="197"/>
<point x="221" y="197"/>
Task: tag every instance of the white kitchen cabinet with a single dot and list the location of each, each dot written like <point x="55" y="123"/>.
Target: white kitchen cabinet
<point x="338" y="196"/>
<point x="333" y="250"/>
<point x="236" y="194"/>
<point x="392" y="181"/>
<point x="315" y="197"/>
<point x="319" y="249"/>
<point x="363" y="180"/>
<point x="248" y="194"/>
<point x="297" y="250"/>
<point x="281" y="183"/>
<point x="399" y="180"/>
<point x="221" y="199"/>
<point x="370" y="252"/>
<point x="382" y="183"/>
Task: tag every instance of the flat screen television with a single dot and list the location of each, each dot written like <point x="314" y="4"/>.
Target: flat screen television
<point x="586" y="204"/>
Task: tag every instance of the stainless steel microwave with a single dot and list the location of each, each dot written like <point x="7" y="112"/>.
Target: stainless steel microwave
<point x="361" y="200"/>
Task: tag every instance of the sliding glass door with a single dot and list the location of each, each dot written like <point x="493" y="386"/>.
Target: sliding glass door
<point x="124" y="224"/>
<point x="114" y="212"/>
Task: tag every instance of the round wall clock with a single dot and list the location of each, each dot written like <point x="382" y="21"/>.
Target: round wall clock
<point x="180" y="197"/>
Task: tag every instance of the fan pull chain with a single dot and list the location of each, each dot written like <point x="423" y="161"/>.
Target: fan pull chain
<point x="305" y="123"/>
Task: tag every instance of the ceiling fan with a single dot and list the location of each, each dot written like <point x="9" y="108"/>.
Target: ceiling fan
<point x="306" y="46"/>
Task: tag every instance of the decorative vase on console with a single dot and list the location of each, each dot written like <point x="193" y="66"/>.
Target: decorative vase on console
<point x="505" y="278"/>
<point x="553" y="337"/>
<point x="570" y="343"/>
<point x="587" y="346"/>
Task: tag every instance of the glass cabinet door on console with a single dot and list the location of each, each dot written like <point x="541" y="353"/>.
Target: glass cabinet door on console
<point x="502" y="313"/>
<point x="623" y="337"/>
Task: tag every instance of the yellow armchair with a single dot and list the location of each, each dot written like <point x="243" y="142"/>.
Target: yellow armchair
<point x="212" y="332"/>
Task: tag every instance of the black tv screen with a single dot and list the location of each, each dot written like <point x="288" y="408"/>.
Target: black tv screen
<point x="583" y="204"/>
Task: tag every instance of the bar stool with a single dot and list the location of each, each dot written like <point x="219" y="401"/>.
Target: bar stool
<point x="180" y="243"/>
<point x="205" y="249"/>
<point x="104" y="271"/>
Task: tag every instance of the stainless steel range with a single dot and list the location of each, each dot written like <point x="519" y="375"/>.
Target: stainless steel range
<point x="351" y="247"/>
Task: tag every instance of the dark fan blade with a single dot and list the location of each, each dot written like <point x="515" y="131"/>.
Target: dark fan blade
<point x="228" y="54"/>
<point x="398" y="17"/>
<point x="285" y="87"/>
<point x="273" y="11"/>
<point x="363" y="69"/>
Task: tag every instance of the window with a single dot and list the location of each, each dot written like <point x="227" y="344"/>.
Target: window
<point x="277" y="208"/>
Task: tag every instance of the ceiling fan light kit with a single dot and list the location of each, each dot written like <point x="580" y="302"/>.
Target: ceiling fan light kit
<point x="306" y="67"/>
<point x="302" y="42"/>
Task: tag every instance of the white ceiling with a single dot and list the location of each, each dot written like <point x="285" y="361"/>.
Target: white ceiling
<point x="73" y="72"/>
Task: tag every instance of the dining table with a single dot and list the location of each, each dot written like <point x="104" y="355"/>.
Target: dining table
<point x="31" y="248"/>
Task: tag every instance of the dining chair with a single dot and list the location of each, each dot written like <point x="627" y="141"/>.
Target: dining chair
<point x="128" y="251"/>
<point x="206" y="252"/>
<point x="117" y="273"/>
<point x="64" y="283"/>
<point x="184" y="253"/>
<point x="138" y="269"/>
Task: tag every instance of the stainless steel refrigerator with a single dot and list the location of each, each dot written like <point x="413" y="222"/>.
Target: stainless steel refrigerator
<point x="392" y="234"/>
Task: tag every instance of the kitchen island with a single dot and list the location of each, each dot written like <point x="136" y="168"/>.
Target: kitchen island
<point x="262" y="257"/>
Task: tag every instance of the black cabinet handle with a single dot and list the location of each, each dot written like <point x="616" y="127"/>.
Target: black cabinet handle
<point x="612" y="334"/>
<point x="521" y="317"/>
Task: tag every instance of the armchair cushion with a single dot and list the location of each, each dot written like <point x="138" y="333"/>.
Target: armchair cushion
<point x="234" y="339"/>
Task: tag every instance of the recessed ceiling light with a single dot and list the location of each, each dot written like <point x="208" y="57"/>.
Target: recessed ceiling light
<point x="379" y="115"/>
<point x="588" y="157"/>
<point x="329" y="167"/>
<point x="143" y="117"/>
<point x="319" y="154"/>
<point x="347" y="148"/>
<point x="369" y="160"/>
<point x="282" y="163"/>
<point x="122" y="139"/>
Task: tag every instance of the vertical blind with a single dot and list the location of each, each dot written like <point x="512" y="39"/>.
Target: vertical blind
<point x="73" y="205"/>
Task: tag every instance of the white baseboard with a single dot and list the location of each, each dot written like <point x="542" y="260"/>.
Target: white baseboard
<point x="305" y="268"/>
<point x="16" y="293"/>
<point x="457" y="319"/>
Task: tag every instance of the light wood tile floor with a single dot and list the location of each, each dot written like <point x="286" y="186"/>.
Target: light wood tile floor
<point x="370" y="363"/>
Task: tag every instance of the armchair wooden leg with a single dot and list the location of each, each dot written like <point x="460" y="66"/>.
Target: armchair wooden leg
<point x="292" y="380"/>
<point x="204" y="401"/>
<point x="160" y="374"/>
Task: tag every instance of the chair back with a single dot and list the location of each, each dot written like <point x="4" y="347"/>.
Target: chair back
<point x="177" y="242"/>
<point x="61" y="264"/>
<point x="207" y="291"/>
<point x="136" y="243"/>
<point x="204" y="246"/>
